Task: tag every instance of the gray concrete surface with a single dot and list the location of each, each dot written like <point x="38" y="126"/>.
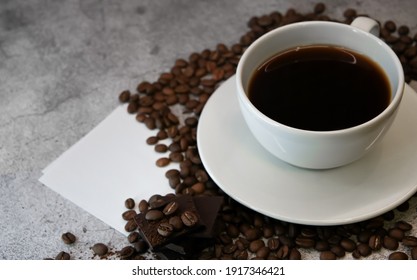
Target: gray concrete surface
<point x="62" y="66"/>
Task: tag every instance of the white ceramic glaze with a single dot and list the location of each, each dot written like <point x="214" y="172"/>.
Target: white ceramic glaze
<point x="319" y="149"/>
<point x="370" y="186"/>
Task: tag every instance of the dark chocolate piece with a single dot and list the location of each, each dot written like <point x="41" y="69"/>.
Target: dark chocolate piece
<point x="149" y="228"/>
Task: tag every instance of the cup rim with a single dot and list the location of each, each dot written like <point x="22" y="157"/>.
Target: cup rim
<point x="388" y="111"/>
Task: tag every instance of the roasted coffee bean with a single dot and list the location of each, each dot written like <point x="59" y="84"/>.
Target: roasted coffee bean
<point x="189" y="218"/>
<point x="141" y="246"/>
<point x="143" y="206"/>
<point x="338" y="250"/>
<point x="165" y="229"/>
<point x="319" y="8"/>
<point x="390" y="26"/>
<point x="404" y="226"/>
<point x="63" y="256"/>
<point x="390" y="243"/>
<point x="305" y="242"/>
<point x="176" y="222"/>
<point x="225" y="239"/>
<point x="283" y="252"/>
<point x="364" y="236"/>
<point x="127" y="252"/>
<point x="152" y="140"/>
<point x="294" y="254"/>
<point x="322" y="246"/>
<point x="198" y="188"/>
<point x="68" y="238"/>
<point x="241" y="255"/>
<point x="327" y="255"/>
<point x="129" y="214"/>
<point x="273" y="244"/>
<point x="162" y="162"/>
<point x="364" y="249"/>
<point x="124" y="96"/>
<point x="133" y="237"/>
<point x="348" y="244"/>
<point x="396" y="233"/>
<point x="131" y="226"/>
<point x="375" y="242"/>
<point x="255" y="245"/>
<point x="398" y="256"/>
<point x="154" y="215"/>
<point x="176" y="157"/>
<point x="170" y="208"/>
<point x="252" y="234"/>
<point x="132" y="107"/>
<point x="129" y="203"/>
<point x="229" y="248"/>
<point x="410" y="241"/>
<point x="100" y="249"/>
<point x="232" y="230"/>
<point x="263" y="252"/>
<point x="161" y="148"/>
<point x="403" y="30"/>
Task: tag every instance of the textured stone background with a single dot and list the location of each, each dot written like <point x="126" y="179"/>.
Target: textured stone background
<point x="62" y="66"/>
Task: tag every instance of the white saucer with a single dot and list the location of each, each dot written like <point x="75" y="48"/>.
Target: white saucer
<point x="375" y="184"/>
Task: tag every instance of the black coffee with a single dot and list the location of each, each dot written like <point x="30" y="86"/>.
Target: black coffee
<point x="320" y="88"/>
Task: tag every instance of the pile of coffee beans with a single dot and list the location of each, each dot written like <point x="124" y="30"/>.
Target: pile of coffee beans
<point x="241" y="232"/>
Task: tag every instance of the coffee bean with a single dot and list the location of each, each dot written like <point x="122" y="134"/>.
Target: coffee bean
<point x="404" y="226"/>
<point x="232" y="230"/>
<point x="283" y="252"/>
<point x="294" y="254"/>
<point x="176" y="222"/>
<point x="141" y="246"/>
<point x="390" y="26"/>
<point x="305" y="242"/>
<point x="396" y="233"/>
<point x="129" y="203"/>
<point x="129" y="215"/>
<point x="375" y="242"/>
<point x="398" y="256"/>
<point x="263" y="252"/>
<point x="273" y="244"/>
<point x="410" y="241"/>
<point x="131" y="226"/>
<point x="364" y="249"/>
<point x="161" y="148"/>
<point x="241" y="255"/>
<point x="154" y="215"/>
<point x="100" y="249"/>
<point x="124" y="96"/>
<point x="322" y="245"/>
<point x="327" y="255"/>
<point x="390" y="243"/>
<point x="252" y="234"/>
<point x="63" y="256"/>
<point x="162" y="162"/>
<point x="68" y="238"/>
<point x="189" y="218"/>
<point x="165" y="229"/>
<point x="152" y="140"/>
<point x="255" y="245"/>
<point x="133" y="237"/>
<point x="348" y="244"/>
<point x="338" y="250"/>
<point x="319" y="8"/>
<point x="143" y="206"/>
<point x="127" y="252"/>
<point x="403" y="30"/>
<point x="170" y="208"/>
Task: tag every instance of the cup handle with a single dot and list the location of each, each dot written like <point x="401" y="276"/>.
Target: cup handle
<point x="366" y="24"/>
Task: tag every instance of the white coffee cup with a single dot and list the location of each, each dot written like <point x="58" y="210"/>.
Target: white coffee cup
<point x="320" y="149"/>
